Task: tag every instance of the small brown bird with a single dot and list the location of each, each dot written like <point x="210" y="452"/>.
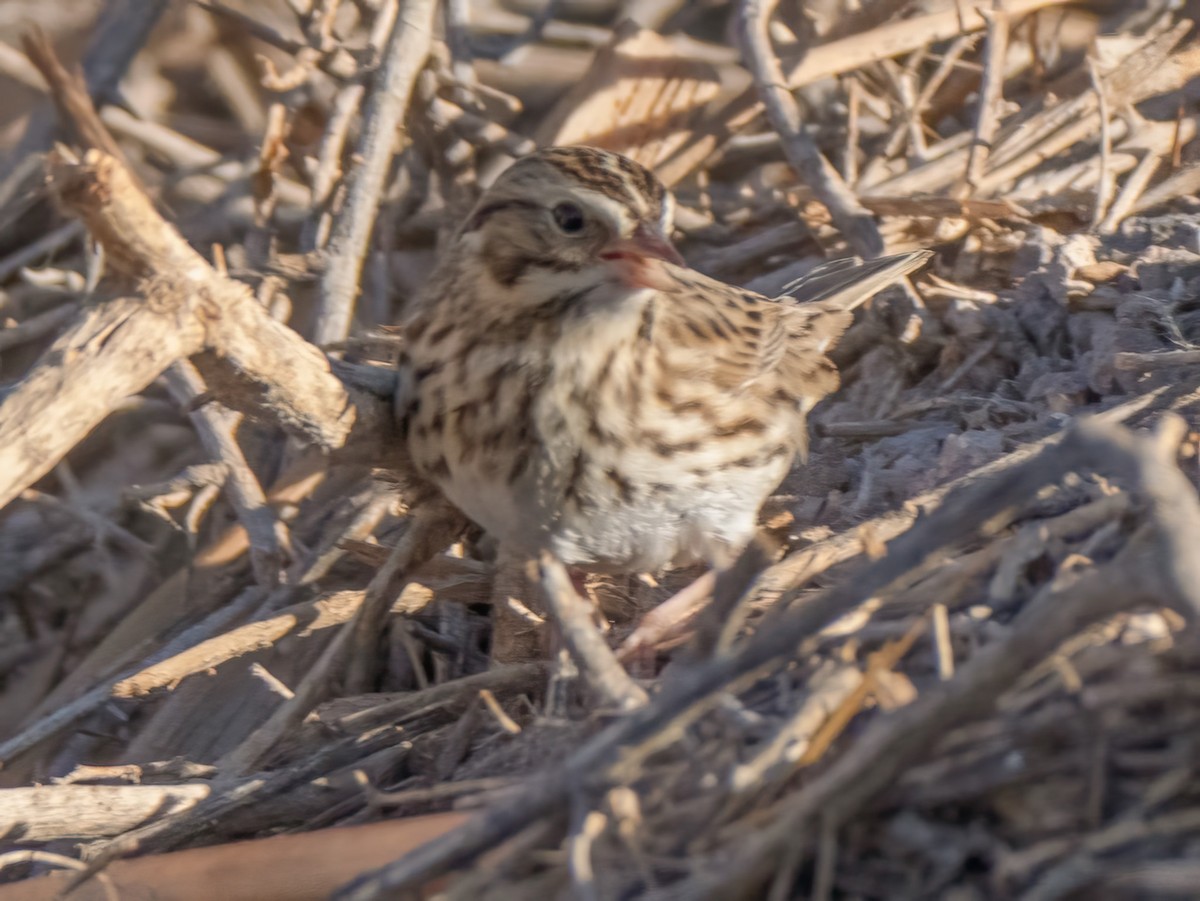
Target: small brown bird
<point x="574" y="387"/>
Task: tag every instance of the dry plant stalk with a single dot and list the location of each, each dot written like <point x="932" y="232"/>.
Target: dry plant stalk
<point x="940" y="475"/>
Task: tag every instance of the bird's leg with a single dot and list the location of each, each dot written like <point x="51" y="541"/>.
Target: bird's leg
<point x="668" y="618"/>
<point x="671" y="620"/>
<point x="518" y="612"/>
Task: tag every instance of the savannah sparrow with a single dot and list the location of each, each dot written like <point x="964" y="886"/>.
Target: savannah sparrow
<point x="574" y="387"/>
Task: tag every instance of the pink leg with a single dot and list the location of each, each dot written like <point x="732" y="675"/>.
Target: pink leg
<point x="669" y="617"/>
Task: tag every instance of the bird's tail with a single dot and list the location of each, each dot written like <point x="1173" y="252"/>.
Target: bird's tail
<point x="844" y="284"/>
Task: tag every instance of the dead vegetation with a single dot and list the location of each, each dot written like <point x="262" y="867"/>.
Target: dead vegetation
<point x="237" y="661"/>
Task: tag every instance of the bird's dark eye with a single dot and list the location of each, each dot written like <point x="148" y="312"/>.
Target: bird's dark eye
<point x="569" y="218"/>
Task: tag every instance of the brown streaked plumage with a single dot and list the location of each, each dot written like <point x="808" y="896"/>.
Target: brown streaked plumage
<point x="576" y="388"/>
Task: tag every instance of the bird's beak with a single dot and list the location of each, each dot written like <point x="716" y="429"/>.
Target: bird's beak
<point x="636" y="258"/>
<point x="645" y="243"/>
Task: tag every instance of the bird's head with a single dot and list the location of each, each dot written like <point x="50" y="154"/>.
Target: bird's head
<point x="566" y="210"/>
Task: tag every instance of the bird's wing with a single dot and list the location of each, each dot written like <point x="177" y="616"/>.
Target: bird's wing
<point x="740" y="337"/>
<point x="741" y="341"/>
<point x="845" y="284"/>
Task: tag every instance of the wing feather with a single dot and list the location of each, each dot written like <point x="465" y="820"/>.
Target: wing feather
<point x="741" y="342"/>
<point x="787" y="338"/>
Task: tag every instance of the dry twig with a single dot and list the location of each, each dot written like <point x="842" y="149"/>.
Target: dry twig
<point x="404" y="58"/>
<point x="598" y="666"/>
<point x="814" y="170"/>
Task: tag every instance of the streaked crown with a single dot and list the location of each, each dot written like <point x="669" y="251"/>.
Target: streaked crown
<point x="609" y="174"/>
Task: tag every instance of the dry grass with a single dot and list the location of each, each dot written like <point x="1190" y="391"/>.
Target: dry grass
<point x="967" y="671"/>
